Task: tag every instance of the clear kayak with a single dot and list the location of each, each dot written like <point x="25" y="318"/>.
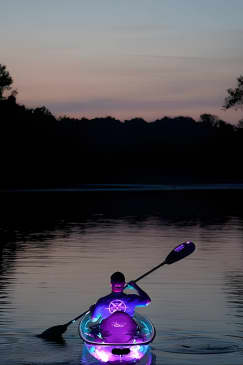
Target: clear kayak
<point x="115" y="340"/>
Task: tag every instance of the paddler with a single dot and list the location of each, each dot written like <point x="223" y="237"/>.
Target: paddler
<point x="118" y="300"/>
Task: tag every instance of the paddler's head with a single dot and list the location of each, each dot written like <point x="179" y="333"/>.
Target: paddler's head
<point x="117" y="282"/>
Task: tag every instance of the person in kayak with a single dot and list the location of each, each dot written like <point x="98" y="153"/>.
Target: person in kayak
<point x="118" y="300"/>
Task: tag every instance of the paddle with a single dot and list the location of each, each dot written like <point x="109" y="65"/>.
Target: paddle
<point x="178" y="253"/>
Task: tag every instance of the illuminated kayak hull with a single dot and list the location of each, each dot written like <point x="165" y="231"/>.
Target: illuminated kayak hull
<point x="107" y="352"/>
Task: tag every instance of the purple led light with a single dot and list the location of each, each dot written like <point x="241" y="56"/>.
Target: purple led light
<point x="123" y="348"/>
<point x="118" y="328"/>
<point x="179" y="248"/>
<point x="104" y="353"/>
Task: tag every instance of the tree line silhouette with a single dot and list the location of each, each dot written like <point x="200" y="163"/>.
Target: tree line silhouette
<point x="40" y="150"/>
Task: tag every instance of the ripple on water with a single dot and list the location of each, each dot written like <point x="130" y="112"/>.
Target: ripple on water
<point x="8" y="340"/>
<point x="197" y="345"/>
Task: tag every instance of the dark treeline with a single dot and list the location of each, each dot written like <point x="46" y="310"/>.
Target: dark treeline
<point x="39" y="150"/>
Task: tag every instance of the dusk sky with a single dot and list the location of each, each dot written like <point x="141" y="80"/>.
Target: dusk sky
<point x="124" y="58"/>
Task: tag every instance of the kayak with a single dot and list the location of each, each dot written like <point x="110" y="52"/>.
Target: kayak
<point x="116" y="339"/>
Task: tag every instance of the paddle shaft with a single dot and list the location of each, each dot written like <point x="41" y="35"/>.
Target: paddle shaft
<point x="149" y="272"/>
<point x="175" y="255"/>
<point x="75" y="319"/>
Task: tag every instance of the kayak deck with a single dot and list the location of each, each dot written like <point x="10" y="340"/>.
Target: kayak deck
<point x="109" y="352"/>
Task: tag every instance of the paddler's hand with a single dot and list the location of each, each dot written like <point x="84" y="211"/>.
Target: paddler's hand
<point x="131" y="285"/>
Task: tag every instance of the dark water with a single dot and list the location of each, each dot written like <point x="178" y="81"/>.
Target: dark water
<point x="58" y="251"/>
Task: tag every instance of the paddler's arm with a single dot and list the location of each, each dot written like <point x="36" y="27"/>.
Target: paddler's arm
<point x="95" y="314"/>
<point x="145" y="299"/>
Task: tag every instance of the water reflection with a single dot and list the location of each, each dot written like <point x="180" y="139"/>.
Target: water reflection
<point x="57" y="252"/>
<point x="234" y="290"/>
<point x="43" y="214"/>
<point x="7" y="261"/>
<point x="234" y="282"/>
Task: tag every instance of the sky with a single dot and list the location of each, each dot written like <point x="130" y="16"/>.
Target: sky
<point x="124" y="58"/>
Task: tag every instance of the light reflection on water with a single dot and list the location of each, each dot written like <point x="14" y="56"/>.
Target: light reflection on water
<point x="57" y="256"/>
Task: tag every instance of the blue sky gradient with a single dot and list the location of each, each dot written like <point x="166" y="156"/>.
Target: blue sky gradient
<point x="146" y="58"/>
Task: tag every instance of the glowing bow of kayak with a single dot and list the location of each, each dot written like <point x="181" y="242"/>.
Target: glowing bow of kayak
<point x="106" y="351"/>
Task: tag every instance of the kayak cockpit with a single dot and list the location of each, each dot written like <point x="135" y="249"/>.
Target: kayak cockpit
<point x="143" y="334"/>
<point x="104" y="347"/>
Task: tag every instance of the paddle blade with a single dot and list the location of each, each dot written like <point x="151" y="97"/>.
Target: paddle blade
<point x="53" y="332"/>
<point x="180" y="252"/>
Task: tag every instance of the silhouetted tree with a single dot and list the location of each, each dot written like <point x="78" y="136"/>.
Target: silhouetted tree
<point x="235" y="96"/>
<point x="5" y="80"/>
<point x="38" y="149"/>
<point x="208" y="120"/>
<point x="240" y="124"/>
<point x="42" y="114"/>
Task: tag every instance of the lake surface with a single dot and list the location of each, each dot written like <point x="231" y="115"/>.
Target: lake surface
<point x="59" y="249"/>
